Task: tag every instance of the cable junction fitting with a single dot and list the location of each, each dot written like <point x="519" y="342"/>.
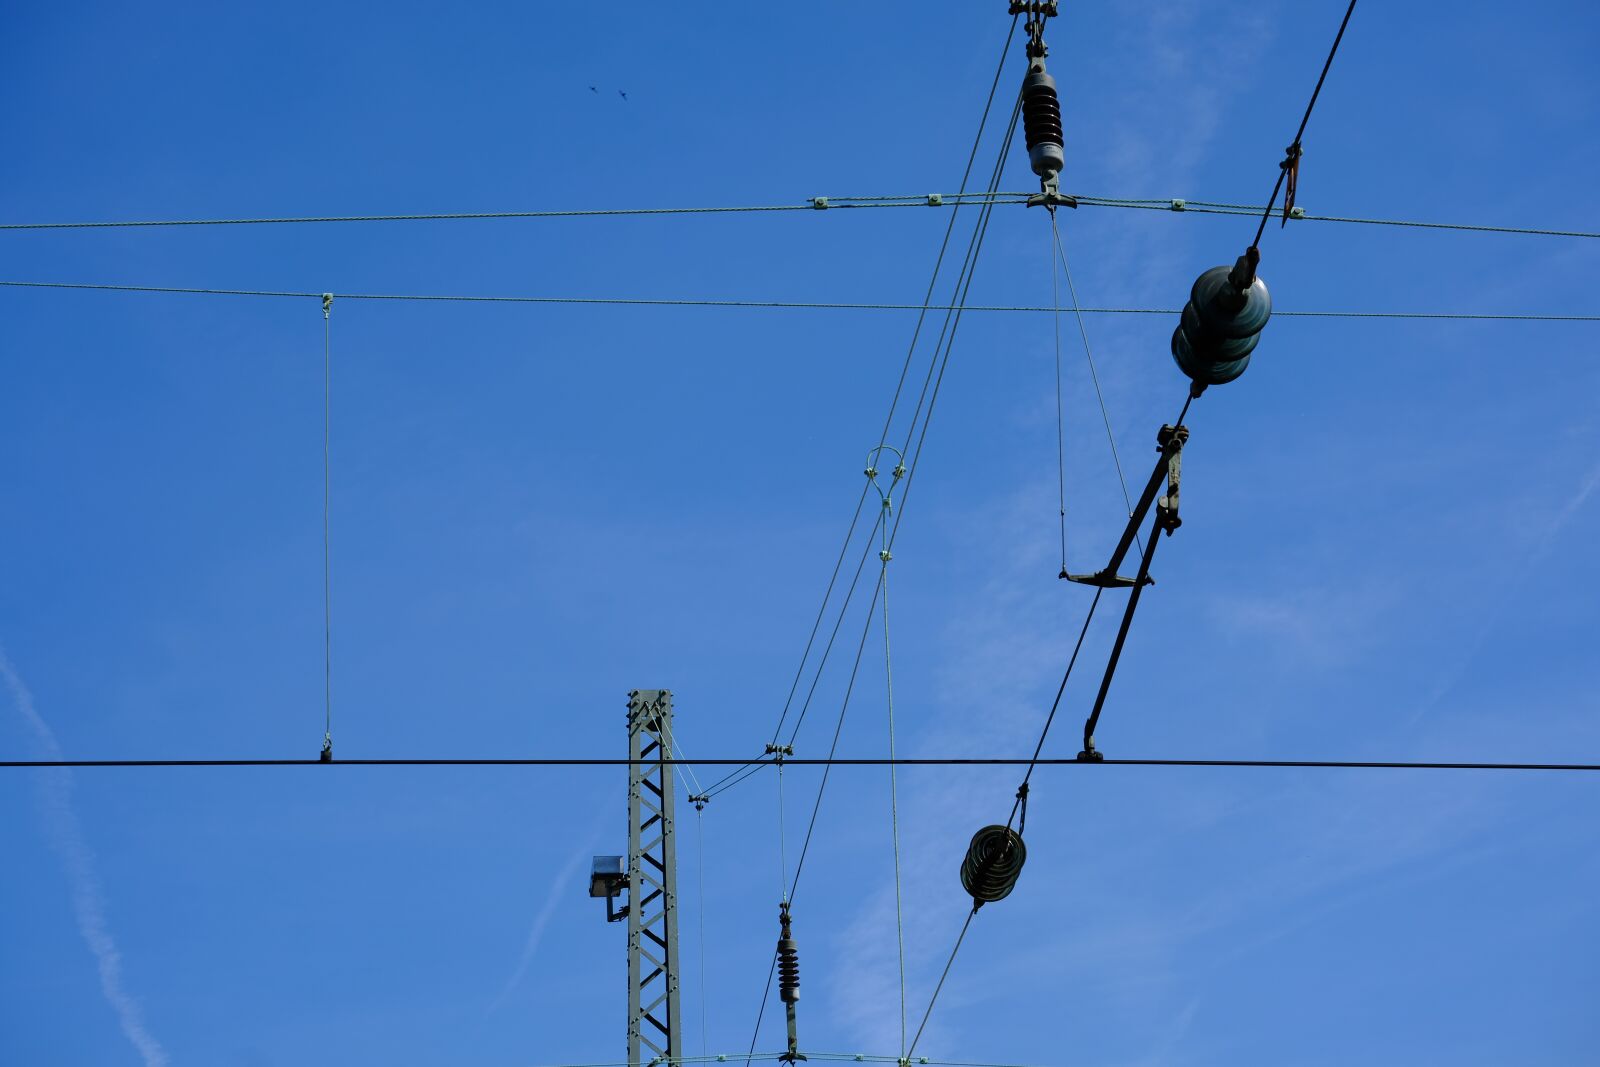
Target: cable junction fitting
<point x="788" y="981"/>
<point x="885" y="495"/>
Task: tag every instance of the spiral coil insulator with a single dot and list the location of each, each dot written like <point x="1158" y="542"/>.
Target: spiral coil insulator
<point x="788" y="963"/>
<point x="1221" y="324"/>
<point x="993" y="864"/>
<point x="1041" y="123"/>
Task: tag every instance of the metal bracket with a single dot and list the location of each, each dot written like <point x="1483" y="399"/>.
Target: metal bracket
<point x="1105" y="580"/>
<point x="1052" y="198"/>
<point x="1037" y="11"/>
<point x="1169" y="442"/>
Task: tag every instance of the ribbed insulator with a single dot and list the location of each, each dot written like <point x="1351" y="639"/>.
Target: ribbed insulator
<point x="1220" y="327"/>
<point x="1041" y="124"/>
<point x="993" y="864"/>
<point x="788" y="970"/>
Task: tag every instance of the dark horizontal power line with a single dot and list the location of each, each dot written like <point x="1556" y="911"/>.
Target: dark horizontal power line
<point x="779" y="304"/>
<point x="1174" y="204"/>
<point x="790" y="761"/>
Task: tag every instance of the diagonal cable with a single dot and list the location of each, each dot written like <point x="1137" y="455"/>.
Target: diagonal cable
<point x="1094" y="376"/>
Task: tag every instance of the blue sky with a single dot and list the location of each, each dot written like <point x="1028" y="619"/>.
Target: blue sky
<point x="537" y="509"/>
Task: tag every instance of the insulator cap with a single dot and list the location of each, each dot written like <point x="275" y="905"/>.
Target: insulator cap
<point x="1041" y="124"/>
<point x="993" y="864"/>
<point x="1220" y="326"/>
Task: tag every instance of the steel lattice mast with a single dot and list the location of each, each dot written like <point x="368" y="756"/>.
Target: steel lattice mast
<point x="654" y="1026"/>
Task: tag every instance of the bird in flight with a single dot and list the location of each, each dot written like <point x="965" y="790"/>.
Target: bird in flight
<point x="622" y="94"/>
<point x="592" y="89"/>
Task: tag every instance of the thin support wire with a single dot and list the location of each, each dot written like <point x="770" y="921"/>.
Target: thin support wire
<point x="1055" y="704"/>
<point x="779" y="305"/>
<point x="1094" y="376"/>
<point x="1061" y="448"/>
<point x="685" y="769"/>
<point x="783" y="857"/>
<point x="1015" y="807"/>
<point x="894" y="401"/>
<point x="327" y="549"/>
<point x="844" y="607"/>
<point x="700" y="855"/>
<point x="952" y="200"/>
<point x="822" y="610"/>
<point x="884" y="556"/>
<point x="962" y="936"/>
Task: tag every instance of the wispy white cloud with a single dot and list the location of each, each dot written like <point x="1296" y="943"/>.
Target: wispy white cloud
<point x="1316" y="624"/>
<point x="1544" y="540"/>
<point x="88" y="898"/>
<point x="561" y="889"/>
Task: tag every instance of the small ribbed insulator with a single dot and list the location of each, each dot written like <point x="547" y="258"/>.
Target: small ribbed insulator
<point x="1041" y="124"/>
<point x="1220" y="327"/>
<point x="993" y="864"/>
<point x="788" y="970"/>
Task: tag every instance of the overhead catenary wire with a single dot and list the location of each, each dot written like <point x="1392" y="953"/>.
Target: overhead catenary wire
<point x="884" y="557"/>
<point x="1288" y="169"/>
<point x="934" y="377"/>
<point x="828" y="762"/>
<point x="894" y="401"/>
<point x="798" y="305"/>
<point x="923" y="409"/>
<point x="1022" y="792"/>
<point x="1180" y="205"/>
<point x="751" y="768"/>
<point x="952" y="200"/>
<point x="814" y="204"/>
<point x="925" y="406"/>
<point x="831" y="1057"/>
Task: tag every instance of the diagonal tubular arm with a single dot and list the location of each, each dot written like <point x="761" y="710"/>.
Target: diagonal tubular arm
<point x="1171" y="440"/>
<point x="1089" y="752"/>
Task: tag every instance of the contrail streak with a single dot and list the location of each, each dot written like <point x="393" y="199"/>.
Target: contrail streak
<point x="561" y="889"/>
<point x="88" y="901"/>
